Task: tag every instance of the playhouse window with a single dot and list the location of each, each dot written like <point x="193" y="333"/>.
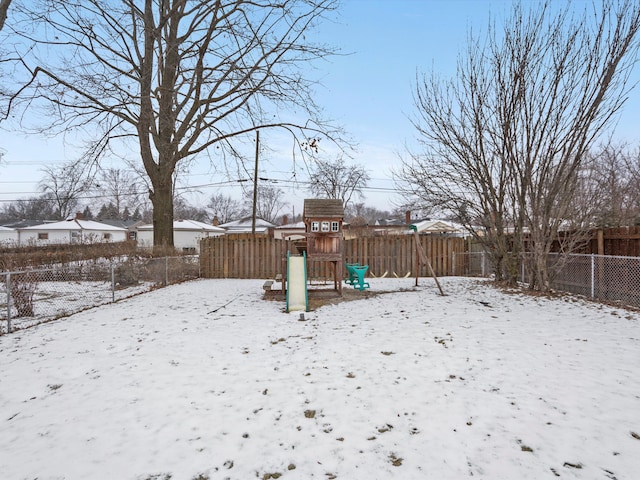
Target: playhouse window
<point x="106" y="236"/>
<point x="315" y="226"/>
<point x="43" y="236"/>
<point x="335" y="226"/>
<point x="325" y="226"/>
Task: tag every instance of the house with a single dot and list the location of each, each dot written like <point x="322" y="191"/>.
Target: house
<point x="389" y="222"/>
<point x="186" y="234"/>
<point x="244" y="225"/>
<point x="439" y="227"/>
<point x="8" y="236"/>
<point x="130" y="225"/>
<point x="290" y="231"/>
<point x="72" y="230"/>
<point x="24" y="223"/>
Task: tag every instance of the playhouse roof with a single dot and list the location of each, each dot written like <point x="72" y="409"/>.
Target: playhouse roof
<point x="323" y="207"/>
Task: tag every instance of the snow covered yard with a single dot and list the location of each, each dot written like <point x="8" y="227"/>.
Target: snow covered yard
<point x="179" y="383"/>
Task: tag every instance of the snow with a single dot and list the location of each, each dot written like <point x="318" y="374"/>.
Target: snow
<point x="207" y="378"/>
<point x="56" y="299"/>
<point x="74" y="224"/>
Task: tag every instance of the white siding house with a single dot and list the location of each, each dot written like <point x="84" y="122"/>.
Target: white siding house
<point x="441" y="227"/>
<point x="290" y="231"/>
<point x="70" y="231"/>
<point x="186" y="234"/>
<point x="8" y="236"/>
<point x="244" y="225"/>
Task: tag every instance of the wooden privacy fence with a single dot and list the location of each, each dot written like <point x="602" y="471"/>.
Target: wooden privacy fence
<point x="623" y="241"/>
<point x="240" y="256"/>
<point x="246" y="256"/>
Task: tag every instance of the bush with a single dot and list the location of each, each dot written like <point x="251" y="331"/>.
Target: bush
<point x="23" y="287"/>
<point x="126" y="274"/>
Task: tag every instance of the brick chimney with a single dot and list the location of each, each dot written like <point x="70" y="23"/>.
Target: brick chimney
<point x="407" y="217"/>
<point x="79" y="216"/>
<point x="215" y="221"/>
<point x="285" y="220"/>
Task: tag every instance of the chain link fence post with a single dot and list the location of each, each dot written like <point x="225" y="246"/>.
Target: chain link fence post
<point x="113" y="283"/>
<point x="593" y="276"/>
<point x="166" y="271"/>
<point x="482" y="265"/>
<point x="9" y="302"/>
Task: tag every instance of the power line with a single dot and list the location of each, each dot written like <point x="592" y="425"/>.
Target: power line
<point x="186" y="188"/>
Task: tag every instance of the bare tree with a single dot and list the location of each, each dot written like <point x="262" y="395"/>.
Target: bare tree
<point x="503" y="144"/>
<point x="359" y="214"/>
<point x="269" y="202"/>
<point x="224" y="207"/>
<point x="35" y="208"/>
<point x="335" y="179"/>
<point x="615" y="176"/>
<point x="177" y="76"/>
<point x="185" y="211"/>
<point x="4" y="9"/>
<point x="121" y="188"/>
<point x="65" y="185"/>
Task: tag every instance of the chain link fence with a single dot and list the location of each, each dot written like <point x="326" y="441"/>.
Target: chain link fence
<point x="34" y="296"/>
<point x="31" y="297"/>
<point x="471" y="264"/>
<point x="605" y="278"/>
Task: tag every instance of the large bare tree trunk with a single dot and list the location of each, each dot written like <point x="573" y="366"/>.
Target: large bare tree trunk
<point x="162" y="200"/>
<point x="4" y="8"/>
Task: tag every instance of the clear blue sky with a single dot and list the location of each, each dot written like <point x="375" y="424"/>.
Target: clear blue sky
<point x="368" y="90"/>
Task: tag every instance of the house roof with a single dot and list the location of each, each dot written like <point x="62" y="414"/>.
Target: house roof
<point x="75" y="225"/>
<point x="24" y="223"/>
<point x="245" y="222"/>
<point x="323" y="207"/>
<point x="437" y="226"/>
<point x="188" y="225"/>
<point x="292" y="226"/>
<point x="116" y="222"/>
<point x="390" y="221"/>
<point x="6" y="229"/>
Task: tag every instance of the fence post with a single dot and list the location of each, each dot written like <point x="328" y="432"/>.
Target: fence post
<point x="593" y="275"/>
<point x="8" y="302"/>
<point x="166" y="271"/>
<point x="113" y="283"/>
<point x="453" y="266"/>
